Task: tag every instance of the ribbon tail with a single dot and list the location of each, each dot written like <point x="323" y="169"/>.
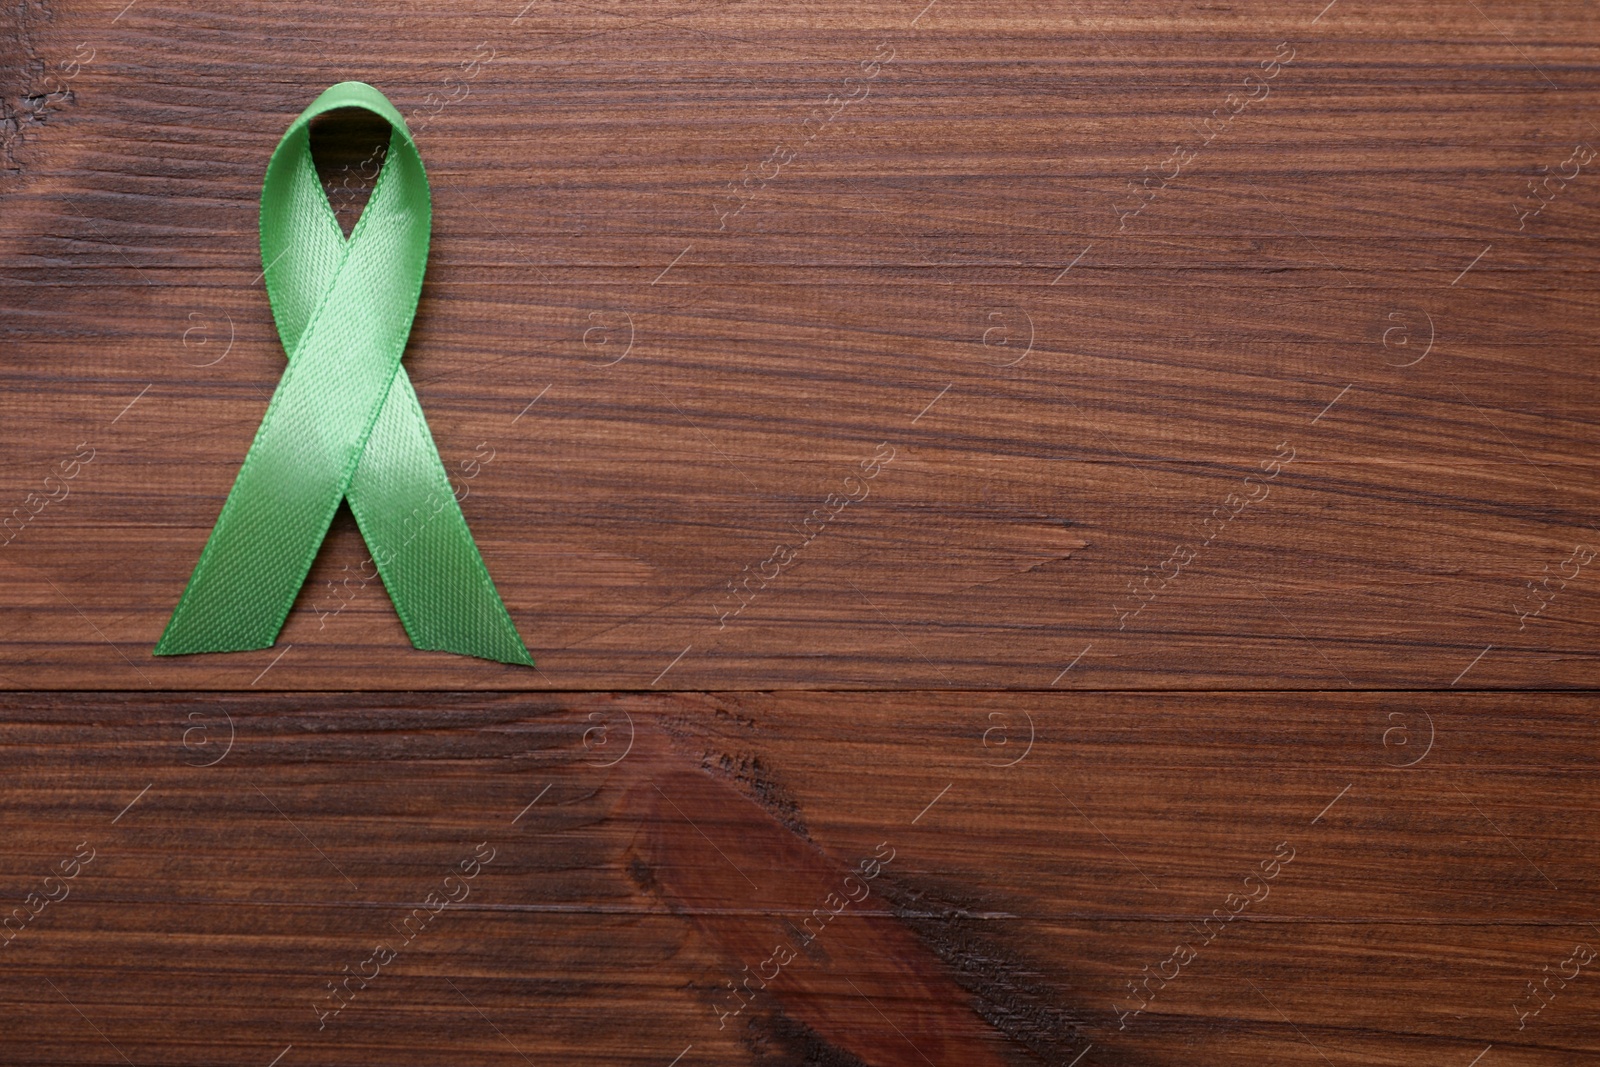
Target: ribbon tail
<point x="274" y="520"/>
<point x="404" y="503"/>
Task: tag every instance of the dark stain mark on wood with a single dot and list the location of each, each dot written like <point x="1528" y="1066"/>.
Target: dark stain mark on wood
<point x="729" y="867"/>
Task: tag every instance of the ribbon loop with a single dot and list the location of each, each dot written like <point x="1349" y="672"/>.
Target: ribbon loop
<point x="344" y="423"/>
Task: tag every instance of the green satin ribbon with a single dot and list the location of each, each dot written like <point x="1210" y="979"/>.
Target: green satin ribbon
<point x="344" y="423"/>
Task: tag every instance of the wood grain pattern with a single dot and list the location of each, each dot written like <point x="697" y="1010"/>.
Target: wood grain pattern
<point x="1085" y="478"/>
<point x="948" y="266"/>
<point x="648" y="851"/>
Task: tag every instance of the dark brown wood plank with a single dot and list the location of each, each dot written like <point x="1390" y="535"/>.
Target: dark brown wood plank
<point x="1341" y="271"/>
<point x="1417" y="861"/>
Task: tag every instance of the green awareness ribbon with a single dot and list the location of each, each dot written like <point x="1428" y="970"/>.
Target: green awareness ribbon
<point x="344" y="423"/>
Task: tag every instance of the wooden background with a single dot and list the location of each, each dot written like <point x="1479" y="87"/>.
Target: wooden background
<point x="1221" y="375"/>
